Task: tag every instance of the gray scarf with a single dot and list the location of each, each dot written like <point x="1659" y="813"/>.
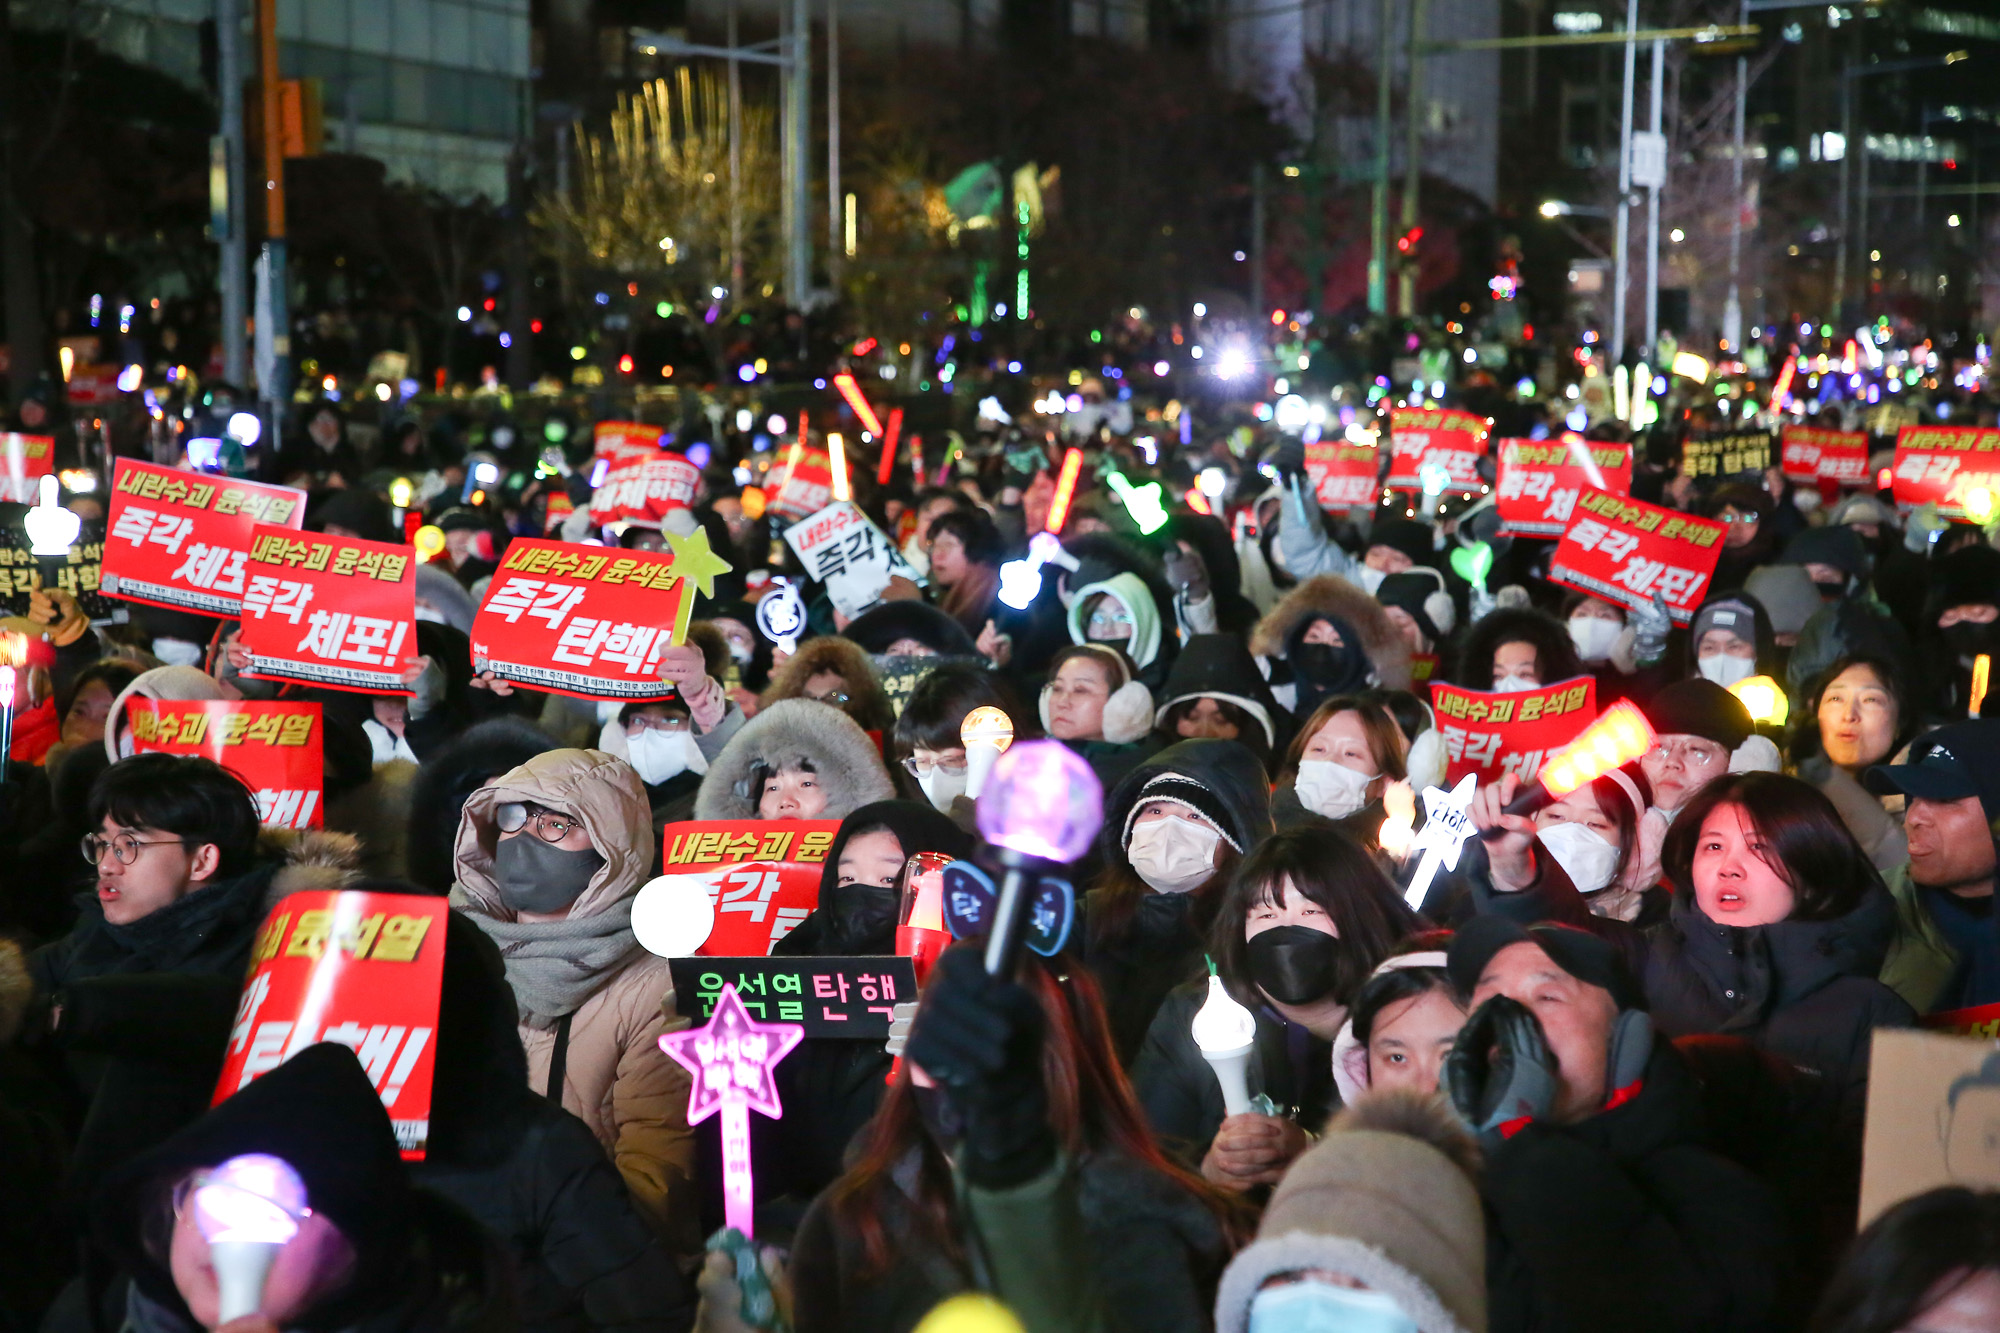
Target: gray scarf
<point x="554" y="966"/>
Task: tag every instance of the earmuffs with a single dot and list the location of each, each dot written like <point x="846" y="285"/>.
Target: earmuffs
<point x="1443" y="612"/>
<point x="1128" y="713"/>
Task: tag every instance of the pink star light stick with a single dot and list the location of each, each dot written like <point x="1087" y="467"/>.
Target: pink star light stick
<point x="732" y="1059"/>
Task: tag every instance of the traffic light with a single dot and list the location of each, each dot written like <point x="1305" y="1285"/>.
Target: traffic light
<point x="1406" y="244"/>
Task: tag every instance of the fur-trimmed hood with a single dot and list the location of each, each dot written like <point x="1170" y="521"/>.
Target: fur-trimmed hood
<point x="1332" y="595"/>
<point x="847" y="762"/>
<point x="867" y="704"/>
<point x="310" y="860"/>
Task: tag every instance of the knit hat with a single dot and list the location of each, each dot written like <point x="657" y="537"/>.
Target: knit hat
<point x="1861" y="508"/>
<point x="1969" y="576"/>
<point x="1840" y="547"/>
<point x="1788" y="595"/>
<point x="1699" y="707"/>
<point x="1407" y="535"/>
<point x="1421" y="593"/>
<point x="1386" y="1199"/>
<point x="361" y="512"/>
<point x="1729" y="614"/>
<point x="1186" y="791"/>
<point x="1589" y="958"/>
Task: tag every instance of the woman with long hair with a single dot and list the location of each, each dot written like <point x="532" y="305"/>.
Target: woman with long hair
<point x="1931" y="1264"/>
<point x="1342" y="757"/>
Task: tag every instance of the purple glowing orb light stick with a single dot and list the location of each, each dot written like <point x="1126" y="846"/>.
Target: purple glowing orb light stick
<point x="1041" y="807"/>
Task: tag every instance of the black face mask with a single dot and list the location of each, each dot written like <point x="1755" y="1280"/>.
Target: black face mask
<point x="535" y="876"/>
<point x="857" y="919"/>
<point x="1968" y="639"/>
<point x="1830" y="592"/>
<point x="1293" y="964"/>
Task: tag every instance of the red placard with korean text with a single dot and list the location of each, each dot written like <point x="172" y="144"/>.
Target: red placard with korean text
<point x="590" y="621"/>
<point x="1625" y="551"/>
<point x="332" y="611"/>
<point x="1490" y="734"/>
<point x="1540" y="480"/>
<point x="624" y="441"/>
<point x="180" y="539"/>
<point x="362" y="969"/>
<point x="807" y="487"/>
<point x="1940" y="464"/>
<point x="762" y="875"/>
<point x="275" y="748"/>
<point x="1810" y="453"/>
<point x="24" y="461"/>
<point x="645" y="491"/>
<point x="1979" y="1021"/>
<point x="1342" y="473"/>
<point x="1451" y="439"/>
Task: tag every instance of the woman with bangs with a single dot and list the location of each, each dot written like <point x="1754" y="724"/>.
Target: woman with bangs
<point x="1340" y="761"/>
<point x="1857" y="714"/>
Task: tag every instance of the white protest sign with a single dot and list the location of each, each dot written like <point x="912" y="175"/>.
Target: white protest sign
<point x="840" y="547"/>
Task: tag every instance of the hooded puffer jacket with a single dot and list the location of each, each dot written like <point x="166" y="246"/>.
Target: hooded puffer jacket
<point x="1330" y="595"/>
<point x="848" y="764"/>
<point x="584" y="985"/>
<point x="1217" y="666"/>
<point x="167" y="682"/>
<point x="1131" y="592"/>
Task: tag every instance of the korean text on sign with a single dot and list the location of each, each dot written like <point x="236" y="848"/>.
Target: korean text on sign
<point x="335" y="611"/>
<point x="625" y="441"/>
<point x="365" y="970"/>
<point x="1727" y="455"/>
<point x="1625" y="552"/>
<point x="1540" y="480"/>
<point x="807" y="486"/>
<point x="762" y="875"/>
<point x="181" y="539"/>
<point x="274" y="747"/>
<point x="645" y="491"/>
<point x="584" y="620"/>
<point x="1448" y="439"/>
<point x="831" y="997"/>
<point x="842" y="548"/>
<point x="78" y="571"/>
<point x="1342" y="473"/>
<point x="1944" y="465"/>
<point x="1490" y="734"/>
<point x="1813" y="454"/>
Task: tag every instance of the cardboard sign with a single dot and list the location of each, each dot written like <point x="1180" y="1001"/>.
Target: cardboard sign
<point x="1933" y="1102"/>
<point x="79" y="572"/>
<point x="1449" y="439"/>
<point x="831" y="997"/>
<point x="24" y="461"/>
<point x="1727" y="455"/>
<point x="623" y="441"/>
<point x="590" y="621"/>
<point x="842" y="548"/>
<point x="333" y="611"/>
<point x="1813" y="454"/>
<point x="363" y="969"/>
<point x="1342" y="473"/>
<point x="275" y="748"/>
<point x="1941" y="464"/>
<point x="1624" y="551"/>
<point x="761" y="874"/>
<point x="645" y="491"/>
<point x="807" y="486"/>
<point x="1540" y="480"/>
<point x="1490" y="734"/>
<point x="180" y="539"/>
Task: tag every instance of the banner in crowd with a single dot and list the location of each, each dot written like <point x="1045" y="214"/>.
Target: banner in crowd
<point x="78" y="572"/>
<point x="362" y="969"/>
<point x="1342" y="473"/>
<point x="24" y="461"/>
<point x="1933" y="1101"/>
<point x="645" y="491"/>
<point x="1540" y="480"/>
<point x="180" y="539"/>
<point x="1944" y="465"/>
<point x="762" y="875"/>
<point x="806" y="486"/>
<point x="1625" y="551"/>
<point x="1726" y="454"/>
<point x="1979" y="1021"/>
<point x="276" y="748"/>
<point x="1448" y="438"/>
<point x="830" y="997"/>
<point x="332" y="611"/>
<point x="625" y="441"/>
<point x="1491" y="733"/>
<point x="590" y="621"/>
<point x="842" y="548"/>
<point x="1812" y="453"/>
<point x="556" y="512"/>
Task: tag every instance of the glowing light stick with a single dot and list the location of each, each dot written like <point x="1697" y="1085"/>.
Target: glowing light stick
<point x="782" y="615"/>
<point x="1764" y="698"/>
<point x="672" y="916"/>
<point x="851" y="391"/>
<point x="248" y="1209"/>
<point x="986" y="733"/>
<point x="429" y="542"/>
<point x="51" y="528"/>
<point x="1197" y="501"/>
<point x="1982" y="666"/>
<point x="921" y="933"/>
<point x="1072" y="467"/>
<point x="1141" y="502"/>
<point x="1226" y="1032"/>
<point x="1399" y="823"/>
<point x="1618" y="737"/>
<point x="1021" y="580"/>
<point x="731" y="1059"/>
<point x="1447" y="826"/>
<point x="7" y="686"/>
<point x="1042" y="806"/>
<point x="1783" y="388"/>
<point x="836" y="453"/>
<point x="889" y="438"/>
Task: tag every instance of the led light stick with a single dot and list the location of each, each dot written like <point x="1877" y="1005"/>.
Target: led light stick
<point x="781" y="614"/>
<point x="1041" y="810"/>
<point x="986" y="733"/>
<point x="836" y="453"/>
<point x="51" y="530"/>
<point x="247" y="1209"/>
<point x="1226" y="1032"/>
<point x="851" y="391"/>
<point x="1021" y="580"/>
<point x="732" y="1058"/>
<point x="889" y="439"/>
<point x="1141" y="502"/>
<point x="1072" y="467"/>
<point x="921" y="933"/>
<point x="1982" y="667"/>
<point x="1618" y="737"/>
<point x="1764" y="698"/>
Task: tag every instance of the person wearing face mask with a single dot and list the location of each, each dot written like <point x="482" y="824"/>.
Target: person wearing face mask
<point x="1598" y="632"/>
<point x="443" y="600"/>
<point x="659" y="741"/>
<point x="1962" y="616"/>
<point x="1326" y="637"/>
<point x="929" y="731"/>
<point x="1303" y="922"/>
<point x="549" y="858"/>
<point x="1514" y="648"/>
<point x="1346" y="751"/>
<point x="1120" y="613"/>
<point x="1214" y="691"/>
<point x="1174" y="830"/>
<point x="1730" y="640"/>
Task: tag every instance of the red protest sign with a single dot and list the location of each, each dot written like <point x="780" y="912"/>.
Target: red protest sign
<point x="92" y="384"/>
<point x="1449" y="439"/>
<point x="761" y="874"/>
<point x="180" y="539"/>
<point x="24" y="461"/>
<point x="1540" y="480"/>
<point x="362" y="969"/>
<point x="1490" y="734"/>
<point x="333" y="611"/>
<point x="1625" y="551"/>
<point x="622" y="441"/>
<point x="1809" y="453"/>
<point x="1942" y="465"/>
<point x="807" y="487"/>
<point x="557" y="512"/>
<point x="587" y="620"/>
<point x="1979" y="1021"/>
<point x="275" y="748"/>
<point x="645" y="491"/>
<point x="1342" y="473"/>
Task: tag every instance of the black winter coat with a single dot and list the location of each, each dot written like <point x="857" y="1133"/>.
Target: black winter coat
<point x="208" y="933"/>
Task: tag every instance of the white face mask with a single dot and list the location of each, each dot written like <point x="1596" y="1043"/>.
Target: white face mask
<point x="1583" y="854"/>
<point x="427" y="612"/>
<point x="913" y="551"/>
<point x="1173" y="855"/>
<point x="1514" y="685"/>
<point x="177" y="652"/>
<point x="1725" y="670"/>
<point x="1331" y="789"/>
<point x="1370" y="579"/>
<point x="942" y="787"/>
<point x="1593" y="636"/>
<point x="661" y="755"/>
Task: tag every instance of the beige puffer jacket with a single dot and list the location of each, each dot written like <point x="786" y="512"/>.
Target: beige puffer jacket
<point x="615" y="1076"/>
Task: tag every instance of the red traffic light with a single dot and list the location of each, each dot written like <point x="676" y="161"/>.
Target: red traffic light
<point x="1407" y="242"/>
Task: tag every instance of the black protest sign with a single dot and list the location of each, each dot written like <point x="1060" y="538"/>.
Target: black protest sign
<point x="1725" y="455"/>
<point x="830" y="997"/>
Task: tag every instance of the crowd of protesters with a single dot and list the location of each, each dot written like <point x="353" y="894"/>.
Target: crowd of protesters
<point x="1609" y="1073"/>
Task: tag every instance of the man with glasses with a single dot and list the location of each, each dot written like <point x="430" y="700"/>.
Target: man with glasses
<point x="1698" y="727"/>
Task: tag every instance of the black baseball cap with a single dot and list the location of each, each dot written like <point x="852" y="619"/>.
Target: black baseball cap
<point x="1948" y="764"/>
<point x="1589" y="958"/>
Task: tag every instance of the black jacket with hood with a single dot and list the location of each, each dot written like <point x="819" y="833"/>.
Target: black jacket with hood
<point x="1218" y="666"/>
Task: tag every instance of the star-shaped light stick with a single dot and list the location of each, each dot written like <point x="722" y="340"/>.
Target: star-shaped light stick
<point x="694" y="561"/>
<point x="732" y="1059"/>
<point x="1447" y="825"/>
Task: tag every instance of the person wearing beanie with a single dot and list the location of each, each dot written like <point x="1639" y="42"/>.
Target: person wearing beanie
<point x="1961" y="623"/>
<point x="1730" y="640"/>
<point x="1419" y="607"/>
<point x="355" y="512"/>
<point x="1386" y="1203"/>
<point x="1834" y="557"/>
<point x="468" y="554"/>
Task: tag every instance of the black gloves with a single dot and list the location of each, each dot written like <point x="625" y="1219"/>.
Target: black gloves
<point x="1500" y="1071"/>
<point x="1289" y="460"/>
<point x="980" y="1038"/>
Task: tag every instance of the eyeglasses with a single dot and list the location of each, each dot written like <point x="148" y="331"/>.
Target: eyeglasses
<point x="838" y="698"/>
<point x="1748" y="519"/>
<point x="550" y="825"/>
<point x="1685" y="754"/>
<point x="123" y="846"/>
<point x="648" y="722"/>
<point x="1115" y="620"/>
<point x="920" y="768"/>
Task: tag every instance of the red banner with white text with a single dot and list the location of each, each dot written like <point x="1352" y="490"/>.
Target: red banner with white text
<point x="1442" y="437"/>
<point x="1810" y="453"/>
<point x="645" y="491"/>
<point x="1491" y="733"/>
<point x="1625" y="551"/>
<point x="1946" y="466"/>
<point x="24" y="461"/>
<point x="276" y="748"/>
<point x="332" y="611"/>
<point x="181" y="539"/>
<point x="625" y="441"/>
<point x="1540" y="480"/>
<point x="762" y="875"/>
<point x="1342" y="473"/>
